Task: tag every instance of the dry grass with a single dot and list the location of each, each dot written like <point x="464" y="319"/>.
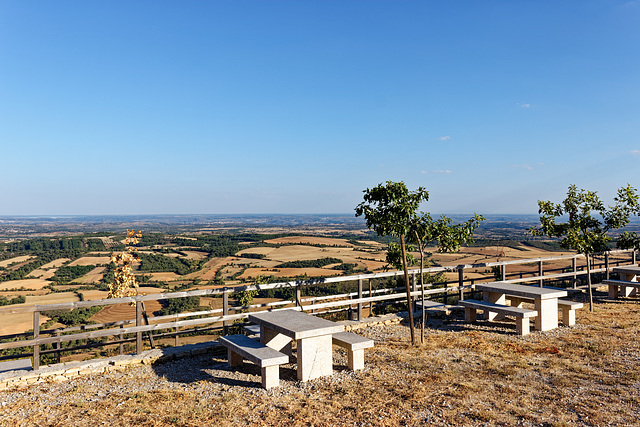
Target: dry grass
<point x="91" y="260"/>
<point x="94" y="276"/>
<point x="15" y="260"/>
<point x="24" y="283"/>
<point x="464" y="375"/>
<point x="55" y="263"/>
<point x="312" y="240"/>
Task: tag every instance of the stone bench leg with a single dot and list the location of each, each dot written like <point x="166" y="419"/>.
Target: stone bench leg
<point x="355" y="359"/>
<point x="516" y="302"/>
<point x="495" y="298"/>
<point x="628" y="291"/>
<point x="277" y="341"/>
<point x="234" y="358"/>
<point x="613" y="291"/>
<point x="270" y="376"/>
<point x="522" y="326"/>
<point x="568" y="316"/>
<point x="470" y="315"/>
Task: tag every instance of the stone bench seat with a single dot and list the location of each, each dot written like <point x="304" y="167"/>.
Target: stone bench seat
<point x="567" y="308"/>
<point x="269" y="360"/>
<point x="522" y="315"/>
<point x="355" y="345"/>
<point x="614" y="285"/>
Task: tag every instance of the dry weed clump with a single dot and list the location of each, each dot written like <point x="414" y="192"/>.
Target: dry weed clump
<point x="124" y="282"/>
<point x="464" y="375"/>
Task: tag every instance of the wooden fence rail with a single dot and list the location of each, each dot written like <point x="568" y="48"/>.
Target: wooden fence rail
<point x="223" y="318"/>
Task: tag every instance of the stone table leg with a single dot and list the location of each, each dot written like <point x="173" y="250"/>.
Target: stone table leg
<point x="547" y="317"/>
<point x="315" y="357"/>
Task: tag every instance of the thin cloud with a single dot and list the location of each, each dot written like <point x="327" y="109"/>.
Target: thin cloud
<point x="523" y="166"/>
<point x="437" y="171"/>
<point x="523" y="105"/>
<point x="635" y="152"/>
<point x="444" y="138"/>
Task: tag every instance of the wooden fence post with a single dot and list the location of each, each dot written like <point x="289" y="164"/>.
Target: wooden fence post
<point x="298" y="296"/>
<point x="138" y="323"/>
<point x="606" y="265"/>
<point x="36" y="335"/>
<point x="58" y="345"/>
<point x="121" y="338"/>
<point x="503" y="272"/>
<point x="574" y="265"/>
<point x="225" y="311"/>
<point x="370" y="302"/>
<point x="176" y="338"/>
<point x="360" y="303"/>
<point x="540" y="272"/>
<point x="461" y="283"/>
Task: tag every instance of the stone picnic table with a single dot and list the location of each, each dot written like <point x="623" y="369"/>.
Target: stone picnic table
<point x="545" y="300"/>
<point x="312" y="335"/>
<point x="627" y="285"/>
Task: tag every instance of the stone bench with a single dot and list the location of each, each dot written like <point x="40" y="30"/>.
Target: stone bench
<point x="614" y="285"/>
<point x="522" y="315"/>
<point x="567" y="308"/>
<point x="16" y="365"/>
<point x="252" y="330"/>
<point x="269" y="360"/>
<point x="355" y="345"/>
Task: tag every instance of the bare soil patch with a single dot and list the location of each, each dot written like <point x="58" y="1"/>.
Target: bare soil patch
<point x="43" y="274"/>
<point x="24" y="283"/>
<point x="195" y="254"/>
<point x="94" y="276"/>
<point x="55" y="263"/>
<point x="252" y="273"/>
<point x="15" y="260"/>
<point x="262" y="250"/>
<point x="114" y="313"/>
<point x="17" y="323"/>
<point x="163" y="276"/>
<point x="53" y="298"/>
<point x="91" y="260"/>
<point x="310" y="240"/>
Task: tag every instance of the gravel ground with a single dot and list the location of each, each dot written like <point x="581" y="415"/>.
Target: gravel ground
<point x="463" y="374"/>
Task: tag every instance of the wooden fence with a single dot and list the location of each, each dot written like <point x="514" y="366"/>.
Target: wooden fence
<point x="364" y="296"/>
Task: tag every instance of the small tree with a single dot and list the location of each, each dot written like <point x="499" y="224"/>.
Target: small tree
<point x="448" y="236"/>
<point x="390" y="210"/>
<point x="588" y="223"/>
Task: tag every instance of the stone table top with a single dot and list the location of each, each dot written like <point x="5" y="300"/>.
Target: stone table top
<point x="522" y="290"/>
<point x="295" y="324"/>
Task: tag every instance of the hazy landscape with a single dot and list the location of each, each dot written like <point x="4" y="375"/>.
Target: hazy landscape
<point x="59" y="259"/>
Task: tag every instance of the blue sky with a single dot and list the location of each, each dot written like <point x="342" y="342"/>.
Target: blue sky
<point x="153" y="107"/>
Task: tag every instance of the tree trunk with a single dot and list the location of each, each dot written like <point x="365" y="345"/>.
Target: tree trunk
<point x="589" y="282"/>
<point x="424" y="317"/>
<point x="408" y="287"/>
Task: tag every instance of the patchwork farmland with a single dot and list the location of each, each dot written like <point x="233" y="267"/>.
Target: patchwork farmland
<point x="78" y="268"/>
